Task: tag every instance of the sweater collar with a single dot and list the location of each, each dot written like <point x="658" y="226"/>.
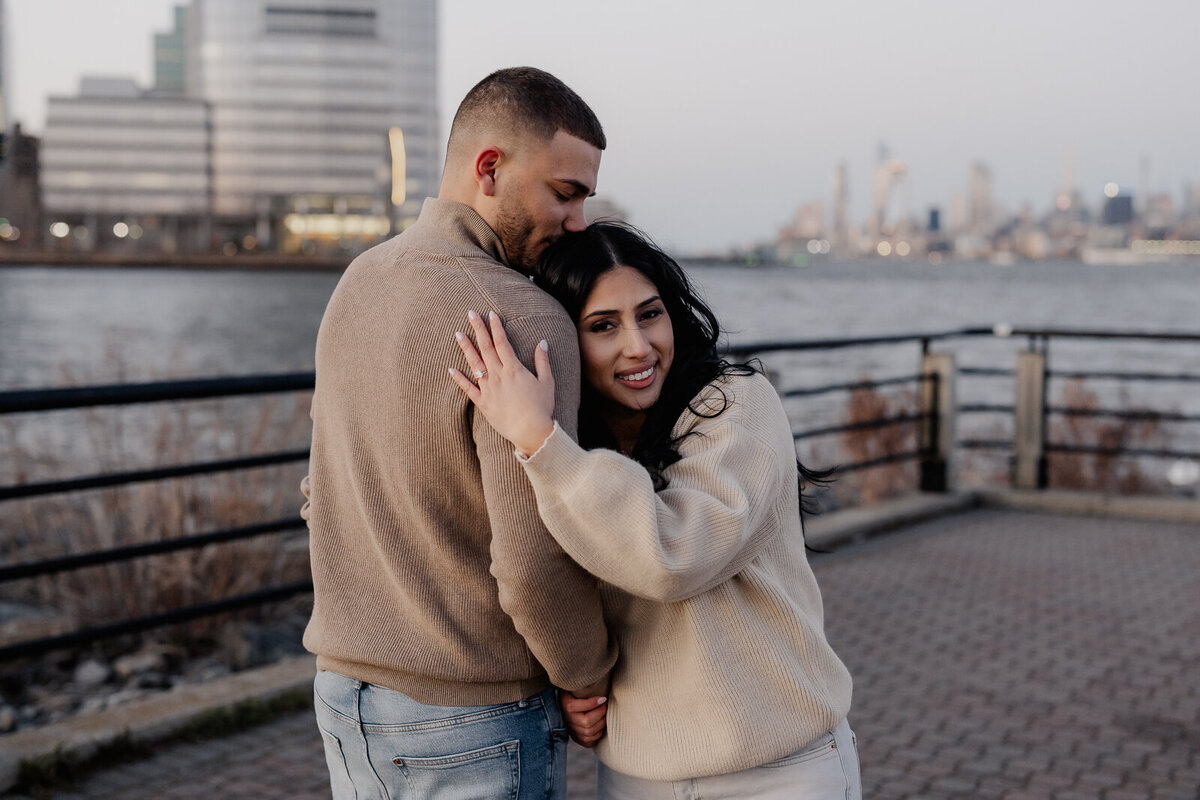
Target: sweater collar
<point x="459" y="229"/>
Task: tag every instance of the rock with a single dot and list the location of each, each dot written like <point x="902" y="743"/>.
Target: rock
<point x="206" y="669"/>
<point x="91" y="673"/>
<point x="235" y="647"/>
<point x="271" y="643"/>
<point x="124" y="696"/>
<point x="94" y="704"/>
<point x="151" y="680"/>
<point x="153" y="660"/>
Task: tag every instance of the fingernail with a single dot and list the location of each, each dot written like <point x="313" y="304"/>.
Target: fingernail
<point x="458" y="335"/>
<point x="472" y="315"/>
<point x="491" y="315"/>
<point x="544" y="345"/>
<point x="600" y="700"/>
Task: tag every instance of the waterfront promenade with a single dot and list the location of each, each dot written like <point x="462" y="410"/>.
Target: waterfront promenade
<point x="996" y="654"/>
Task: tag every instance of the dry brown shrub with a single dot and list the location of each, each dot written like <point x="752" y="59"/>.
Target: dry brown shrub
<point x="1118" y="474"/>
<point x="88" y="521"/>
<point x="869" y="486"/>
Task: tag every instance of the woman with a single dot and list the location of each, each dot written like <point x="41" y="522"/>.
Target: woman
<point x="686" y="506"/>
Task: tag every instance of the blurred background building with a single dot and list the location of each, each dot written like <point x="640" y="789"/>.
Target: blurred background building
<point x="119" y="163"/>
<point x="324" y="115"/>
<point x="3" y="73"/>
<point x="304" y="126"/>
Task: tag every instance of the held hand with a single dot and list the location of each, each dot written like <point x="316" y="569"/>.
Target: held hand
<point x="517" y="403"/>
<point x="586" y="718"/>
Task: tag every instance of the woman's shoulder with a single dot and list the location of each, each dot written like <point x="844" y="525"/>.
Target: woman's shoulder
<point x="733" y="388"/>
<point x="739" y="411"/>
<point x="732" y="397"/>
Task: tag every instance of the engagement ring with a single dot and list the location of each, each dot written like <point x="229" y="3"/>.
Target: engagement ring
<point x="480" y="374"/>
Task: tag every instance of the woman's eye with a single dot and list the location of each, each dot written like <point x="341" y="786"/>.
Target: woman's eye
<point x="601" y="326"/>
<point x="652" y="314"/>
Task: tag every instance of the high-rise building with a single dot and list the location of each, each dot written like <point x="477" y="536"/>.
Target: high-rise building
<point x="297" y="125"/>
<point x="116" y="155"/>
<point x="981" y="212"/>
<point x="841" y="221"/>
<point x="324" y="112"/>
<point x="4" y="121"/>
<point x="170" y="55"/>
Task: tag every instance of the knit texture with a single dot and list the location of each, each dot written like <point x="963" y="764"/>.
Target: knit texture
<point x="724" y="662"/>
<point x="433" y="574"/>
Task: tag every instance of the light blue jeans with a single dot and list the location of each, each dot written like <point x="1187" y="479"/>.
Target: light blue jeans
<point x="826" y="769"/>
<point x="383" y="745"/>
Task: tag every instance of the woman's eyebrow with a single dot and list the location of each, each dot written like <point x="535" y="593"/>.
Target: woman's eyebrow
<point x="603" y="312"/>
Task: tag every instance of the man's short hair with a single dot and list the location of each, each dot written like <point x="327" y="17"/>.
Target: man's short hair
<point x="526" y="102"/>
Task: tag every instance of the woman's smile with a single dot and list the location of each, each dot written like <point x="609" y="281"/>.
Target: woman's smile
<point x="626" y="342"/>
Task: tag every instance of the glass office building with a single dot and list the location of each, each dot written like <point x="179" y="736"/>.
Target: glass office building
<point x="5" y="124"/>
<point x="170" y="54"/>
<point x="117" y="157"/>
<point x="324" y="115"/>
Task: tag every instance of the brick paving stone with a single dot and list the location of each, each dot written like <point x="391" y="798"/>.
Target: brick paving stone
<point x="1029" y="655"/>
<point x="1125" y="793"/>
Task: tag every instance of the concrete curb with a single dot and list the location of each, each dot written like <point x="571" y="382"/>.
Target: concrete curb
<point x="857" y="524"/>
<point x="1061" y="501"/>
<point x="153" y="718"/>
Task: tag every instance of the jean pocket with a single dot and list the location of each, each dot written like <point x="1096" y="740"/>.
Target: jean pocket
<point x="825" y="745"/>
<point x="484" y="774"/>
<point x="339" y="774"/>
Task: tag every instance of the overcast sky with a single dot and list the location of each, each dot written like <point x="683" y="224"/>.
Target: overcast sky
<point x="723" y="117"/>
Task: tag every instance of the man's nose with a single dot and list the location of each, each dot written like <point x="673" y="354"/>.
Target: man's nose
<point x="575" y="220"/>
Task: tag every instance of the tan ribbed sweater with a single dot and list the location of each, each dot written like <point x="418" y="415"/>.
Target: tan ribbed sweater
<point x="433" y="573"/>
<point x="724" y="663"/>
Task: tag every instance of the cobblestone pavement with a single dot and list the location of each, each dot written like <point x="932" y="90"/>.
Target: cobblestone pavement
<point x="996" y="654"/>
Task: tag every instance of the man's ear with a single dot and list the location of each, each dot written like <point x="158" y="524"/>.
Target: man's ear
<point x="486" y="161"/>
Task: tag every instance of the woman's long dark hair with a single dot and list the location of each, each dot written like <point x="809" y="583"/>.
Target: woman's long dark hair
<point x="568" y="270"/>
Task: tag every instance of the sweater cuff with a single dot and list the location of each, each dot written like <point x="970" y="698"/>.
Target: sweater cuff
<point x="523" y="457"/>
<point x="559" y="459"/>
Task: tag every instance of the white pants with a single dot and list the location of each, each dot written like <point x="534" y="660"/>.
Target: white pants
<point x="823" y="770"/>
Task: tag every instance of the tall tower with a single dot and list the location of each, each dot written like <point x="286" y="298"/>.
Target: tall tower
<point x="170" y="55"/>
<point x="841" y="225"/>
<point x="890" y="179"/>
<point x="318" y="104"/>
<point x="5" y="123"/>
<point x="980" y="211"/>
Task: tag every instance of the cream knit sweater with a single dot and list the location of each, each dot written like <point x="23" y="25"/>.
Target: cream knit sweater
<point x="433" y="573"/>
<point x="724" y="663"/>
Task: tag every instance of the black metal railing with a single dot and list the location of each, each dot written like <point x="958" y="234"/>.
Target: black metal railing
<point x="1040" y="340"/>
<point x="929" y="419"/>
<point x="40" y="400"/>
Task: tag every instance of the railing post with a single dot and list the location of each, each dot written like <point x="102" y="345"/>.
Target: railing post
<point x="937" y="421"/>
<point x="1029" y="434"/>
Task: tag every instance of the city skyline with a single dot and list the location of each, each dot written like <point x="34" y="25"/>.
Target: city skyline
<point x="721" y="127"/>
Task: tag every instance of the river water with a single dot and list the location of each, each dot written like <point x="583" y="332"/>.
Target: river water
<point x="152" y="323"/>
<point x="71" y="326"/>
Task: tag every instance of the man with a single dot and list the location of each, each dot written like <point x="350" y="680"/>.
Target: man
<point x="443" y="611"/>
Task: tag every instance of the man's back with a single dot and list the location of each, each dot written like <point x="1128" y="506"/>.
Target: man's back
<point x="433" y="573"/>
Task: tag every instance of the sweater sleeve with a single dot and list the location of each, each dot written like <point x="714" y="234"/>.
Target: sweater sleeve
<point x="697" y="533"/>
<point x="553" y="602"/>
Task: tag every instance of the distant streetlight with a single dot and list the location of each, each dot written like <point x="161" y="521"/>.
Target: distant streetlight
<point x="399" y="166"/>
<point x="60" y="230"/>
<point x="1111" y="189"/>
<point x="1183" y="473"/>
